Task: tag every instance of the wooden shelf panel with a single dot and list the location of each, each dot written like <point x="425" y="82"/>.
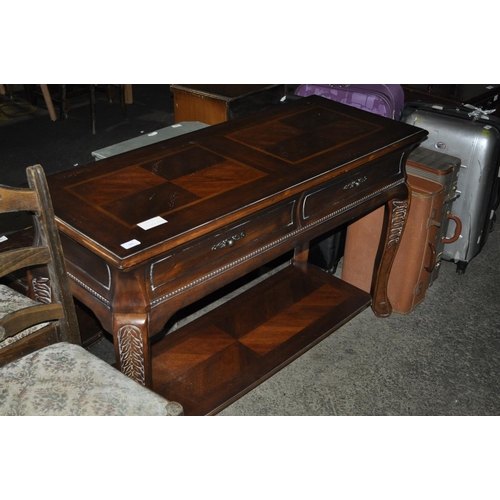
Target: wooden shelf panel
<point x="214" y="360"/>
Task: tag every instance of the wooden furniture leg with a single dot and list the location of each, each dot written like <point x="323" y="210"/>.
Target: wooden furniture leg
<point x="301" y="252"/>
<point x="48" y="102"/>
<point x="92" y="107"/>
<point x="130" y="332"/>
<point x="127" y="91"/>
<point x="63" y="112"/>
<point x="396" y="213"/>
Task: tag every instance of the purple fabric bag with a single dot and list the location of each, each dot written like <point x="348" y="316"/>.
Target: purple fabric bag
<point x="384" y="100"/>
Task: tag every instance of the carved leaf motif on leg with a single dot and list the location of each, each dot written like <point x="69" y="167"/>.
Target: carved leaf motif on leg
<point x="131" y="352"/>
<point x="399" y="213"/>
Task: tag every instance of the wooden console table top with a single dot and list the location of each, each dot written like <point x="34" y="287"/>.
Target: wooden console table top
<point x="150" y="231"/>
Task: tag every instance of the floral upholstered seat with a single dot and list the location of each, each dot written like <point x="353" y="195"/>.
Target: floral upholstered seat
<point x="65" y="379"/>
<point x="10" y="301"/>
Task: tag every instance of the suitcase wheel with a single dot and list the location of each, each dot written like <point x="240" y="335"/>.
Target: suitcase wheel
<point x="492" y="222"/>
<point x="461" y="267"/>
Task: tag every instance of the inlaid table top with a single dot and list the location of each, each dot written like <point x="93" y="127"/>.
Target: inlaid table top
<point x="197" y="182"/>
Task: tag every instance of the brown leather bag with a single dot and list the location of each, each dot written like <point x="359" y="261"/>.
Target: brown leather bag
<point x="416" y="258"/>
<point x="444" y="169"/>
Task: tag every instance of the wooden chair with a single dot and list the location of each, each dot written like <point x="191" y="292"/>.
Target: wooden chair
<point x="43" y="368"/>
<point x="66" y="92"/>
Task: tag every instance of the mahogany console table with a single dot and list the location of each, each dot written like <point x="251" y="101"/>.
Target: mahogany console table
<point x="150" y="231"/>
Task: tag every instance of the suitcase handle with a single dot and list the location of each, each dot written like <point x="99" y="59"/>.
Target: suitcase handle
<point x="432" y="264"/>
<point x="458" y="229"/>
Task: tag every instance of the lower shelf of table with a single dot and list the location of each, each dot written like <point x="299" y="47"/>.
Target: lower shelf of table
<point x="217" y="358"/>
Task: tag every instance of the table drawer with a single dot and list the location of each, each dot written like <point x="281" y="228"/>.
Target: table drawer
<point x="86" y="266"/>
<point x="359" y="184"/>
<point x="260" y="228"/>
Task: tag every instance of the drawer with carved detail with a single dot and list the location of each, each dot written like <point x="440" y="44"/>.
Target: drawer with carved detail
<point x="362" y="183"/>
<point x="260" y="229"/>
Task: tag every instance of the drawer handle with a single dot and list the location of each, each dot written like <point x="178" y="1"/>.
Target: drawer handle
<point x="229" y="242"/>
<point x="356" y="183"/>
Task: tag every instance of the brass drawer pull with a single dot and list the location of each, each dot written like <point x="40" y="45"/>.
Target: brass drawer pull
<point x="356" y="183"/>
<point x="229" y="242"/>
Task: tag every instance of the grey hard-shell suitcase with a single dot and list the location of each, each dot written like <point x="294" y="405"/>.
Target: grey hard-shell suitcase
<point x="474" y="137"/>
<point x="443" y="169"/>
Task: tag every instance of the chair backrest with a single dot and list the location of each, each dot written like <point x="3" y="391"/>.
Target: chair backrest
<point x="48" y="315"/>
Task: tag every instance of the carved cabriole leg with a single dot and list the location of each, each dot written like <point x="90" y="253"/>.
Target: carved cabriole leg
<point x="395" y="217"/>
<point x="131" y="342"/>
<point x="130" y="325"/>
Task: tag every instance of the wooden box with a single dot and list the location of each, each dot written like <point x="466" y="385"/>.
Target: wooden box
<point x="220" y="102"/>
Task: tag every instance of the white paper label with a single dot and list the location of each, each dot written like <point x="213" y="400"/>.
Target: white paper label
<point x="3" y="238"/>
<point x="130" y="244"/>
<point x="150" y="223"/>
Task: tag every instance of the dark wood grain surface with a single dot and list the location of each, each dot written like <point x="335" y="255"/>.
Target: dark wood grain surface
<point x="229" y="198"/>
<point x="219" y="357"/>
<point x="203" y="180"/>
